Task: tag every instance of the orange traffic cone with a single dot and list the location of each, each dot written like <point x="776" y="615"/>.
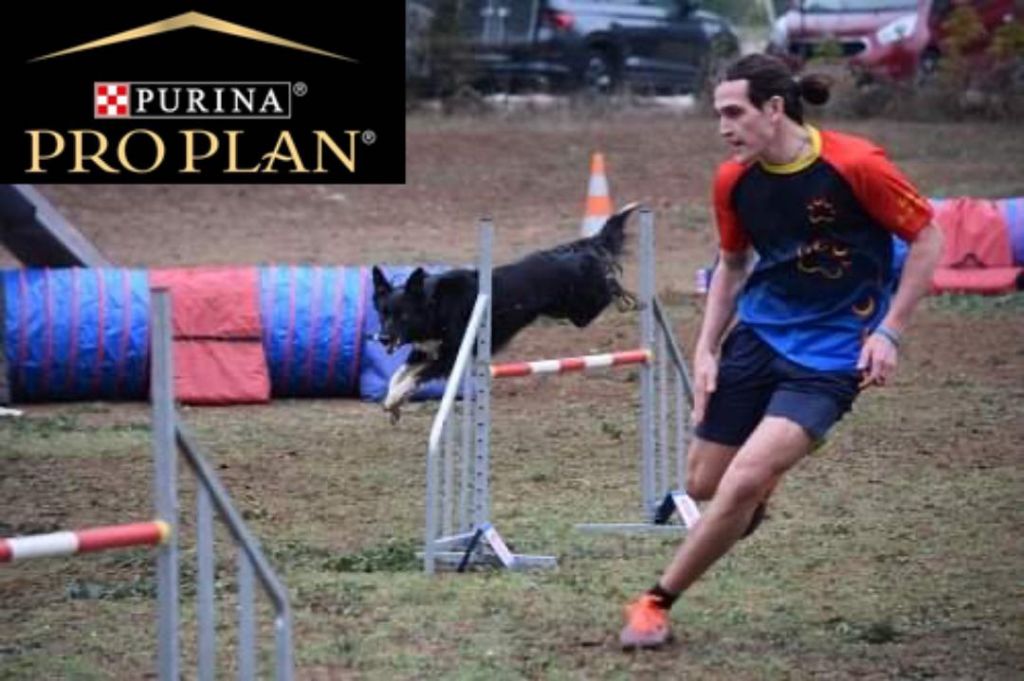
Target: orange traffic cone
<point x="599" y="203"/>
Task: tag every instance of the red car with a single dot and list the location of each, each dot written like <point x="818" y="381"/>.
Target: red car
<point x="887" y="38"/>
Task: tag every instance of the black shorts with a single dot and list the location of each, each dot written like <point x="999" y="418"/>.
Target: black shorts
<point x="754" y="381"/>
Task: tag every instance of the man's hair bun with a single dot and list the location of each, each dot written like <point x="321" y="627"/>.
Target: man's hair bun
<point x="814" y="88"/>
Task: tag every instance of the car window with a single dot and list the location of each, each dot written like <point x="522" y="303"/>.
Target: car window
<point x="856" y="5"/>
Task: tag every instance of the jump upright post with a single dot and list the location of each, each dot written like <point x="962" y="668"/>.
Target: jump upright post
<point x="171" y="437"/>
<point x="458" y="528"/>
<point x="666" y="399"/>
<point x="459" y="532"/>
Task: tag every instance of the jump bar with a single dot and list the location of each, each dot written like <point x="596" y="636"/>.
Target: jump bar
<point x="83" y="541"/>
<point x="570" y="364"/>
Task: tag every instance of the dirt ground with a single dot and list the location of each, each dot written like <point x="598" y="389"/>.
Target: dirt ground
<point x="895" y="553"/>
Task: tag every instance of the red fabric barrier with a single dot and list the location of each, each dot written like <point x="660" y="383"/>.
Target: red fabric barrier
<point x="218" y="336"/>
<point x="979" y="280"/>
<point x="978" y="255"/>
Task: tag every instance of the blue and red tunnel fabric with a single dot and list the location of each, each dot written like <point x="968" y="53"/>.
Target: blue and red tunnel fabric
<point x="313" y="320"/>
<point x="75" y="334"/>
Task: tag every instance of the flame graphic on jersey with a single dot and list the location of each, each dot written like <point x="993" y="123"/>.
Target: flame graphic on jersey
<point x="821" y="211"/>
<point x="825" y="257"/>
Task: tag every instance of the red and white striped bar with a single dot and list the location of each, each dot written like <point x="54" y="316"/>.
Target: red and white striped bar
<point x="569" y="364"/>
<point x="84" y="541"/>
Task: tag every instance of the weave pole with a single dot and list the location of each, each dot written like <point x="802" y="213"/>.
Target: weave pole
<point x="84" y="541"/>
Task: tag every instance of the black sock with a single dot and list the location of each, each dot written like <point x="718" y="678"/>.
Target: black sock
<point x="665" y="599"/>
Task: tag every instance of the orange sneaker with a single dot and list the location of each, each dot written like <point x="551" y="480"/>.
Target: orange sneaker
<point x="646" y="624"/>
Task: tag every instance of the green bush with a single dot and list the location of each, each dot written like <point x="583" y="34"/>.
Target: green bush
<point x="970" y="81"/>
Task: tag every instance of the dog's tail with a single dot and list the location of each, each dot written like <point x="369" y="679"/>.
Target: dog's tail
<point x="612" y="236"/>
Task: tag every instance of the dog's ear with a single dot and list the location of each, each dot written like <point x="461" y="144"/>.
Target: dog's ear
<point x="381" y="286"/>
<point x="414" y="284"/>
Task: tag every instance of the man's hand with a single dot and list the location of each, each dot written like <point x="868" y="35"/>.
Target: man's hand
<point x="877" y="360"/>
<point x="705" y="380"/>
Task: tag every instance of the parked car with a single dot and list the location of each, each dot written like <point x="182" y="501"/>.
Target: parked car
<point x="417" y="25"/>
<point x="842" y="28"/>
<point x="890" y="38"/>
<point x="598" y="44"/>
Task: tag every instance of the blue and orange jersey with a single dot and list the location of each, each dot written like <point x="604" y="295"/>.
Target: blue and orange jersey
<point x="822" y="229"/>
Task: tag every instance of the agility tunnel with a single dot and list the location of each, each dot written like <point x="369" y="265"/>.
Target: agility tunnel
<point x="240" y="335"/>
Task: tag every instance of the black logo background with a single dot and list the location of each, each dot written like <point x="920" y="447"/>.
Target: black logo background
<point x="57" y="93"/>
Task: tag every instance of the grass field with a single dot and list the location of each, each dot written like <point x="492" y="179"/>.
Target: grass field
<point x="894" y="553"/>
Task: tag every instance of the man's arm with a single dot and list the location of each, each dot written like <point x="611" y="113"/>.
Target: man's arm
<point x="726" y="284"/>
<point x="878" y="356"/>
<point x="916" y="280"/>
<point x="729" y="277"/>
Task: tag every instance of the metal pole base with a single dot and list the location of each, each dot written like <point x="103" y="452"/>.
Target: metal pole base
<point x="484" y="546"/>
<point x="673" y="503"/>
<point x="452" y="560"/>
<point x="631" y="528"/>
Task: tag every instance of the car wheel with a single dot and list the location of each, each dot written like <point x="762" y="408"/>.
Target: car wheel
<point x="927" y="66"/>
<point x="601" y="74"/>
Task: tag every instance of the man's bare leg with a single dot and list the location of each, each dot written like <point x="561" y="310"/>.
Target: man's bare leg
<point x="706" y="463"/>
<point x="774" y="447"/>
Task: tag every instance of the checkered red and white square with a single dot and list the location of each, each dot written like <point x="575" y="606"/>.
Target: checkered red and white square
<point x="112" y="100"/>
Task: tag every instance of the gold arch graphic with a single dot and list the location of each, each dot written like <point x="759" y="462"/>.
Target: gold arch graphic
<point x="192" y="20"/>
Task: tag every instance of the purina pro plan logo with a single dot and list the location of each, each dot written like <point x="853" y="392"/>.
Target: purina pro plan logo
<point x="198" y="98"/>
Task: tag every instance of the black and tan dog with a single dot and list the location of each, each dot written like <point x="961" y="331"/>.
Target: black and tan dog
<point x="574" y="281"/>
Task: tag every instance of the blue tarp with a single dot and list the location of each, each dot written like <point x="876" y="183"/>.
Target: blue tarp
<point x="74" y="334"/>
<point x="1013" y="211"/>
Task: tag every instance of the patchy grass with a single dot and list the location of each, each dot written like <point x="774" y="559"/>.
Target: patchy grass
<point x="892" y="553"/>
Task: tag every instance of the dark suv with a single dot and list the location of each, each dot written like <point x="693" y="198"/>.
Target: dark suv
<point x="665" y="45"/>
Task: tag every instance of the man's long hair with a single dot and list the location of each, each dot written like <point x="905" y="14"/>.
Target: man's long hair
<point x="769" y="77"/>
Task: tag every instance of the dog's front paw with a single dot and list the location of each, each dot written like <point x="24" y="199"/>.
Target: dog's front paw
<point x="394" y="413"/>
<point x="627" y="302"/>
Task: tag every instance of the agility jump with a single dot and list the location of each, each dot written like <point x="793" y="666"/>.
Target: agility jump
<point x="169" y="437"/>
<point x="459" y="532"/>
